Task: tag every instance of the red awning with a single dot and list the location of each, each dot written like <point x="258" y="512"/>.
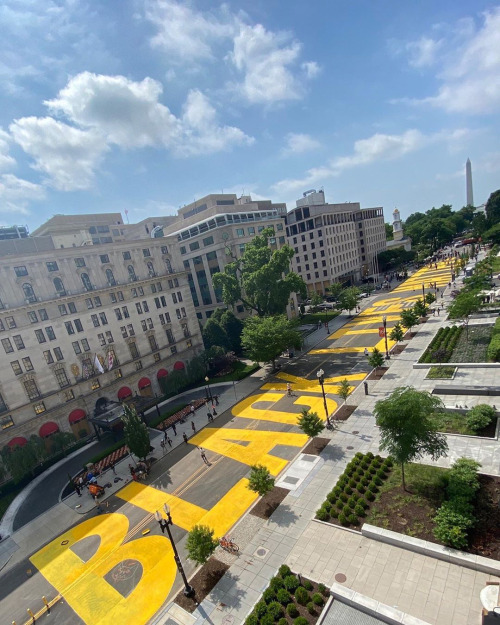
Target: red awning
<point x="77" y="415"/>
<point x="162" y="373"/>
<point x="179" y="366"/>
<point x="19" y="441"/>
<point x="144" y="383"/>
<point x="48" y="428"/>
<point x="124" y="392"/>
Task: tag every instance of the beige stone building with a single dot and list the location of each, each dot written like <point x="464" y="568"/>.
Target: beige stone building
<point x="84" y="323"/>
<point x="334" y="242"/>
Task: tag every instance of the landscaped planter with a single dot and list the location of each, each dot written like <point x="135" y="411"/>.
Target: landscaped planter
<point x="289" y="600"/>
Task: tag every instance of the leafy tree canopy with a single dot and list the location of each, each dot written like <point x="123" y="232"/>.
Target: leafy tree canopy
<point x="409" y="318"/>
<point x="407" y="431"/>
<point x="136" y="432"/>
<point x="344" y="389"/>
<point x="349" y="298"/>
<point x="260" y="480"/>
<point x="397" y="333"/>
<point x="265" y="338"/>
<point x="375" y="358"/>
<point x="493" y="208"/>
<point x="395" y="258"/>
<point x="261" y="279"/>
<point x="214" y="334"/>
<point x="201" y="544"/>
<point x="463" y="306"/>
<point x="310" y="423"/>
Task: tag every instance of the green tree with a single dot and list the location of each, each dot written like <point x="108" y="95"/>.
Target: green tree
<point x="260" y="480"/>
<point x="395" y="259"/>
<point x="349" y="298"/>
<point x="344" y="389"/>
<point x="407" y="430"/>
<point x="60" y="441"/>
<point x="233" y="327"/>
<point x="430" y="298"/>
<point x="375" y="358"/>
<point x="261" y="278"/>
<point x="201" y="544"/>
<point x="265" y="338"/>
<point x="196" y="370"/>
<point x="310" y="423"/>
<point x="214" y="334"/>
<point x="316" y="300"/>
<point x="409" y="318"/>
<point x="493" y="208"/>
<point x="135" y="432"/>
<point x="464" y="305"/>
<point x="397" y="333"/>
<point x="389" y="235"/>
<point x="420" y="309"/>
<point x="335" y="289"/>
<point x="173" y="382"/>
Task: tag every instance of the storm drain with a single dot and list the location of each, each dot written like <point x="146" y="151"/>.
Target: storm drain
<point x="261" y="552"/>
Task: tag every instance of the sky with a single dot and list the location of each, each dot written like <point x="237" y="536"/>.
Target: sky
<point x="147" y="105"/>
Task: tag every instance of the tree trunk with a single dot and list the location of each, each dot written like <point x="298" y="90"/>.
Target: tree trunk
<point x="403" y="475"/>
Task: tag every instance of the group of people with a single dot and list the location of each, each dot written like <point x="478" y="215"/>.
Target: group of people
<point x="139" y="472"/>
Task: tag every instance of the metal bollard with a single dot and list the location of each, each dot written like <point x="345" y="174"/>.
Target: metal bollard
<point x="46" y="603"/>
<point x="365" y="384"/>
<point x="31" y="614"/>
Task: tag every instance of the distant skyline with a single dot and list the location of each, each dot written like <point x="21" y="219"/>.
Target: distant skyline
<point x="147" y="105"/>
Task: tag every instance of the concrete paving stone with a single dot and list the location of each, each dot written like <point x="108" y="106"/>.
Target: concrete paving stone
<point x="259" y="583"/>
<point x="245" y="578"/>
<point x="267" y="571"/>
<point x="276" y="559"/>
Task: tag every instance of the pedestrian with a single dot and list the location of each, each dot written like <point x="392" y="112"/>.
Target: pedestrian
<point x="112" y="467"/>
<point x="366" y="352"/>
<point x="162" y="445"/>
<point x="203" y="456"/>
<point x="185" y="437"/>
<point x="98" y="505"/>
<point x="438" y="312"/>
<point x="173" y="428"/>
<point x="192" y="410"/>
<point x="214" y="412"/>
<point x="319" y="325"/>
<point x="216" y="397"/>
<point x="77" y="489"/>
<point x="209" y="416"/>
<point x="169" y="441"/>
<point x="193" y="427"/>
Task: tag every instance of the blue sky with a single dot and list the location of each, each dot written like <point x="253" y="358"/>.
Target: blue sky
<point x="146" y="105"/>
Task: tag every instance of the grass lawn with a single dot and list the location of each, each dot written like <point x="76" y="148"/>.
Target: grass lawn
<point x="409" y="512"/>
<point x="313" y="318"/>
<point x="473" y="350"/>
<point x="240" y="371"/>
<point x="451" y="422"/>
<point x="441" y="373"/>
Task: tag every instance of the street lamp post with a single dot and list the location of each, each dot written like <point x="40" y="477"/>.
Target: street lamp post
<point x="321" y="380"/>
<point x="423" y="292"/>
<point x="384" y="321"/>
<point x="208" y="390"/>
<point x="165" y="525"/>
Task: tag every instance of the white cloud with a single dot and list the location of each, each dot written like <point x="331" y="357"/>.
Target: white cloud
<point x="266" y="59"/>
<point x="16" y="193"/>
<point x="6" y="161"/>
<point x="297" y="143"/>
<point x="423" y="52"/>
<point x="68" y="156"/>
<point x="184" y="34"/>
<point x="470" y="73"/>
<point x="311" y="69"/>
<point x="378" y="147"/>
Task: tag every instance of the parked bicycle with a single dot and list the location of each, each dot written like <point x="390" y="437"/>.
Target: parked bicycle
<point x="228" y="545"/>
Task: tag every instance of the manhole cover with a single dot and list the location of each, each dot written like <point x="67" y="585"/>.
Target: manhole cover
<point x="340" y="578"/>
<point x="308" y="458"/>
<point x="261" y="552"/>
<point x="349" y="447"/>
<point x="355" y="432"/>
<point x="291" y="480"/>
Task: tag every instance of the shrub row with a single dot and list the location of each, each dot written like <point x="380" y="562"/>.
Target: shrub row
<point x="283" y="594"/>
<point x="356" y="487"/>
<point x="456" y="515"/>
<point x="493" y="352"/>
<point x="440" y="349"/>
<point x="480" y="417"/>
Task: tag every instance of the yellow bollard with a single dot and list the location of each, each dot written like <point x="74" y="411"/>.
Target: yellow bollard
<point x="46" y="603"/>
<point x="31" y="614"/>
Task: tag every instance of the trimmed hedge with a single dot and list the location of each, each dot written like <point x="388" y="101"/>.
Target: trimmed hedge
<point x="440" y="349"/>
<point x="361" y="479"/>
<point x="493" y="352"/>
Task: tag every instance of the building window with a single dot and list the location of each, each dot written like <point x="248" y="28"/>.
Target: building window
<point x="69" y="329"/>
<point x="39" y="407"/>
<point x="21" y="271"/>
<point x="95" y="320"/>
<point x="7" y="346"/>
<point x="85" y="345"/>
<point x="31" y="389"/>
<point x="62" y="309"/>
<point x="134" y="292"/>
<point x="173" y="349"/>
<point x="146" y="252"/>
<point x="138" y="308"/>
<point x="251" y="231"/>
<point x="170" y="336"/>
<point x="104" y="258"/>
<point x="51" y="333"/>
<point x="120" y="296"/>
<point x="183" y="249"/>
<point x="58" y="353"/>
<point x="110" y="277"/>
<point x="109" y="336"/>
<point x="138" y="365"/>
<point x="125" y="312"/>
<point x="208" y="241"/>
<point x="78" y="325"/>
<point x="134" y="352"/>
<point x="11" y="323"/>
<point x="61" y="377"/>
<point x="118" y="374"/>
<point x="130" y="328"/>
<point x="72" y="308"/>
<point x="150" y="323"/>
<point x="43" y="314"/>
<point x="152" y="343"/>
<point x="144" y="325"/>
<point x="123" y="330"/>
<point x="97" y="302"/>
<point x="89" y="303"/>
<point x="151" y="270"/>
<point x="80" y="262"/>
<point x="126" y="256"/>
<point x="86" y="282"/>
<point x="16" y="367"/>
<point x="131" y="273"/>
<point x="164" y="249"/>
<point x="6" y="422"/>
<point x="174" y="298"/>
<point x="76" y="347"/>
<point x="94" y="384"/>
<point x="48" y="357"/>
<point x="102" y="340"/>
<point x="194" y="246"/>
<point x="185" y="330"/>
<point x="27" y="364"/>
<point x="68" y="395"/>
<point x="189" y="343"/>
<point x="140" y="290"/>
<point x="157" y="357"/>
<point x="29" y="293"/>
<point x="59" y="286"/>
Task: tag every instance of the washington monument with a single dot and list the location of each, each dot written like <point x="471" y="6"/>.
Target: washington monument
<point x="468" y="183"/>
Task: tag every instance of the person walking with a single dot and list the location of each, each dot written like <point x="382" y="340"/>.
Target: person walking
<point x="216" y="397"/>
<point x="193" y="427"/>
<point x="162" y="445"/>
<point x="173" y="428"/>
<point x="185" y="437"/>
<point x="169" y="441"/>
<point x="191" y="409"/>
<point x="112" y="467"/>
<point x="214" y="412"/>
<point x="288" y="389"/>
<point x="203" y="456"/>
<point x="77" y="488"/>
<point x="366" y="352"/>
